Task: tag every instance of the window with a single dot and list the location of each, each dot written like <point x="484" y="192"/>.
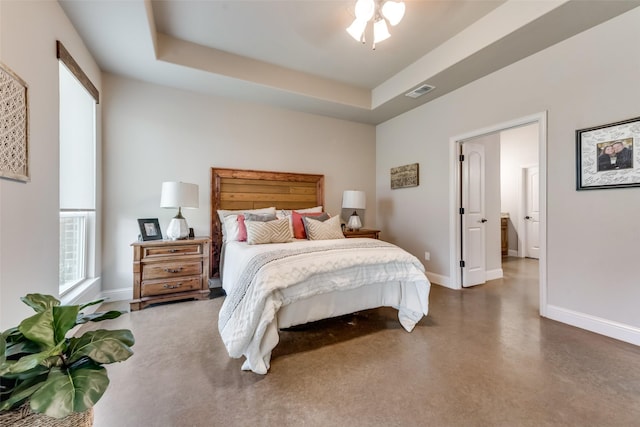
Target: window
<point x="77" y="176"/>
<point x="73" y="248"/>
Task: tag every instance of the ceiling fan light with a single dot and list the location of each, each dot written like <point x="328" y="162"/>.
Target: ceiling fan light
<point x="380" y="31"/>
<point x="365" y="9"/>
<point x="356" y="29"/>
<point x="393" y="11"/>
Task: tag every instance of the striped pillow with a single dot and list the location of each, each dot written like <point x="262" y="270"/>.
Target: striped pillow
<point x="277" y="231"/>
<point x="327" y="230"/>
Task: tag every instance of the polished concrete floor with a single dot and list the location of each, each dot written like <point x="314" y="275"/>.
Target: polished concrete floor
<point x="482" y="357"/>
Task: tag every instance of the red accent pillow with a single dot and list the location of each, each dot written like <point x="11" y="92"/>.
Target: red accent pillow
<point x="242" y="229"/>
<point x="298" y="226"/>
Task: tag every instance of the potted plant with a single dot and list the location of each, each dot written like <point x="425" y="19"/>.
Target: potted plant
<point x="52" y="374"/>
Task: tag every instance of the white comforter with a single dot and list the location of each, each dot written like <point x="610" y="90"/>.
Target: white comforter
<point x="260" y="279"/>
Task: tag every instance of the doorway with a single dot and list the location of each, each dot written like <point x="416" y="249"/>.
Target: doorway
<point x="459" y="222"/>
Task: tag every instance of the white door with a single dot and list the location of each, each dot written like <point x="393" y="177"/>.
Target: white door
<point x="532" y="213"/>
<point x="473" y="219"/>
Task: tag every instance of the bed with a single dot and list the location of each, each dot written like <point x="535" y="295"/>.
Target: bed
<point x="293" y="281"/>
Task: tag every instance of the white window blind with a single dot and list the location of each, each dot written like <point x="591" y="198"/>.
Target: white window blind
<point x="77" y="144"/>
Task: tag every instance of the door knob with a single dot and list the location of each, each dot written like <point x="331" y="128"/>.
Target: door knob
<point x="527" y="217"/>
<point x="483" y="220"/>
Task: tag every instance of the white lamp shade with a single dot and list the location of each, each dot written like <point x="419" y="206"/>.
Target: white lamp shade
<point x="380" y="31"/>
<point x="365" y="9"/>
<point x="354" y="199"/>
<point x="356" y="29"/>
<point x="393" y="11"/>
<point x="179" y="195"/>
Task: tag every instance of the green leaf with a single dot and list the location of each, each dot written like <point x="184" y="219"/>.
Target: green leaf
<point x="21" y="348"/>
<point x="20" y="393"/>
<point x="3" y="349"/>
<point x="25" y="363"/>
<point x="39" y="328"/>
<point x="102" y="346"/>
<point x="74" y="391"/>
<point x="64" y="318"/>
<point x="97" y="317"/>
<point x="40" y="302"/>
<point x="90" y="303"/>
<point x="38" y="371"/>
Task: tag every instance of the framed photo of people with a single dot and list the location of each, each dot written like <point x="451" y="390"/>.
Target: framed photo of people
<point x="608" y="156"/>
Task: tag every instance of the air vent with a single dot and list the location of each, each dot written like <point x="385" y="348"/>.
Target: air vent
<point x="419" y="91"/>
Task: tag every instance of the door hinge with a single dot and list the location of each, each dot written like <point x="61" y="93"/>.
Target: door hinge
<point x="461" y="263"/>
<point x="461" y="211"/>
<point x="462" y="157"/>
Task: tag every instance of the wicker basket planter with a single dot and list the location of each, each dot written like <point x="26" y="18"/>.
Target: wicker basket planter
<point x="24" y="417"/>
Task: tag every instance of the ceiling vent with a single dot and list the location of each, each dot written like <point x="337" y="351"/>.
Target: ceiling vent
<point x="419" y="91"/>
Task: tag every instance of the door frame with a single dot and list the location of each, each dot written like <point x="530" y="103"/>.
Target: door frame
<point x="455" y="234"/>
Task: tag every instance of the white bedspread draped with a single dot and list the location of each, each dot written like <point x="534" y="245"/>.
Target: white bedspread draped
<point x="260" y="279"/>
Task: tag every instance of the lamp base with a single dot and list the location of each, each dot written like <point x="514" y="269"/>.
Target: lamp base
<point x="354" y="222"/>
<point x="178" y="229"/>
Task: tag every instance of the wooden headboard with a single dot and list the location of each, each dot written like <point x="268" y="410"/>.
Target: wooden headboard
<point x="237" y="189"/>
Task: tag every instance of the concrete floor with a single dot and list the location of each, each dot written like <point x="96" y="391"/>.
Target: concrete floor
<point x="482" y="357"/>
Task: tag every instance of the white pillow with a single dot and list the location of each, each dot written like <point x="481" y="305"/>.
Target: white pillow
<point x="323" y="230"/>
<point x="223" y="213"/>
<point x="231" y="228"/>
<point x="277" y="231"/>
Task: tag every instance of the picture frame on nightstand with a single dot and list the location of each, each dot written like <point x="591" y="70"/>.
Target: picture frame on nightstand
<point x="149" y="229"/>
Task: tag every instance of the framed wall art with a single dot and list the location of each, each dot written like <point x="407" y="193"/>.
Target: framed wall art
<point x="404" y="176"/>
<point x="150" y="229"/>
<point x="608" y="156"/>
<point x="14" y="126"/>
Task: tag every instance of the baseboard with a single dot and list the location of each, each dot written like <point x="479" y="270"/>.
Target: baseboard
<point x="494" y="274"/>
<point x="512" y="252"/>
<point x="122" y="294"/>
<point x="595" y="324"/>
<point x="437" y="279"/>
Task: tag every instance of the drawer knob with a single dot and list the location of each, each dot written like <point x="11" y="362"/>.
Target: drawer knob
<point x="173" y="270"/>
<point x="168" y="286"/>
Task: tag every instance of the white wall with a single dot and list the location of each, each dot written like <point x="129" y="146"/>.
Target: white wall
<point x="29" y="212"/>
<point x="154" y="134"/>
<point x="575" y="82"/>
<point x="518" y="149"/>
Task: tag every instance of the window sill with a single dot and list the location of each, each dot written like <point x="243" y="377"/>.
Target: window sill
<point x="84" y="291"/>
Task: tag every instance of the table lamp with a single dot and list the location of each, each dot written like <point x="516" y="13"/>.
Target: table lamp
<point x="178" y="195"/>
<point x="354" y="199"/>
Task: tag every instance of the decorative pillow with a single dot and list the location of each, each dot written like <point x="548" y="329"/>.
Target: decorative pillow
<point x="298" y="225"/>
<point x="229" y="221"/>
<point x="242" y="228"/>
<point x="285" y="212"/>
<point x="264" y="217"/>
<point x="277" y="231"/>
<point x="327" y="230"/>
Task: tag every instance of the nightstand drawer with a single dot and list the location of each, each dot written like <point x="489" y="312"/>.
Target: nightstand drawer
<point x="159" y="251"/>
<point x="159" y="287"/>
<point x="171" y="269"/>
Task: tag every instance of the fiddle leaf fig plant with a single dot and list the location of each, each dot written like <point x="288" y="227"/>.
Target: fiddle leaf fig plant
<point x="56" y="374"/>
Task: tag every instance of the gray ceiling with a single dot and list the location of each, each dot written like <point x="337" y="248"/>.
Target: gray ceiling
<point x="296" y="54"/>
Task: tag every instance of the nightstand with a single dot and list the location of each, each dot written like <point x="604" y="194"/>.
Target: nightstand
<point x="170" y="270"/>
<point x="363" y="232"/>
